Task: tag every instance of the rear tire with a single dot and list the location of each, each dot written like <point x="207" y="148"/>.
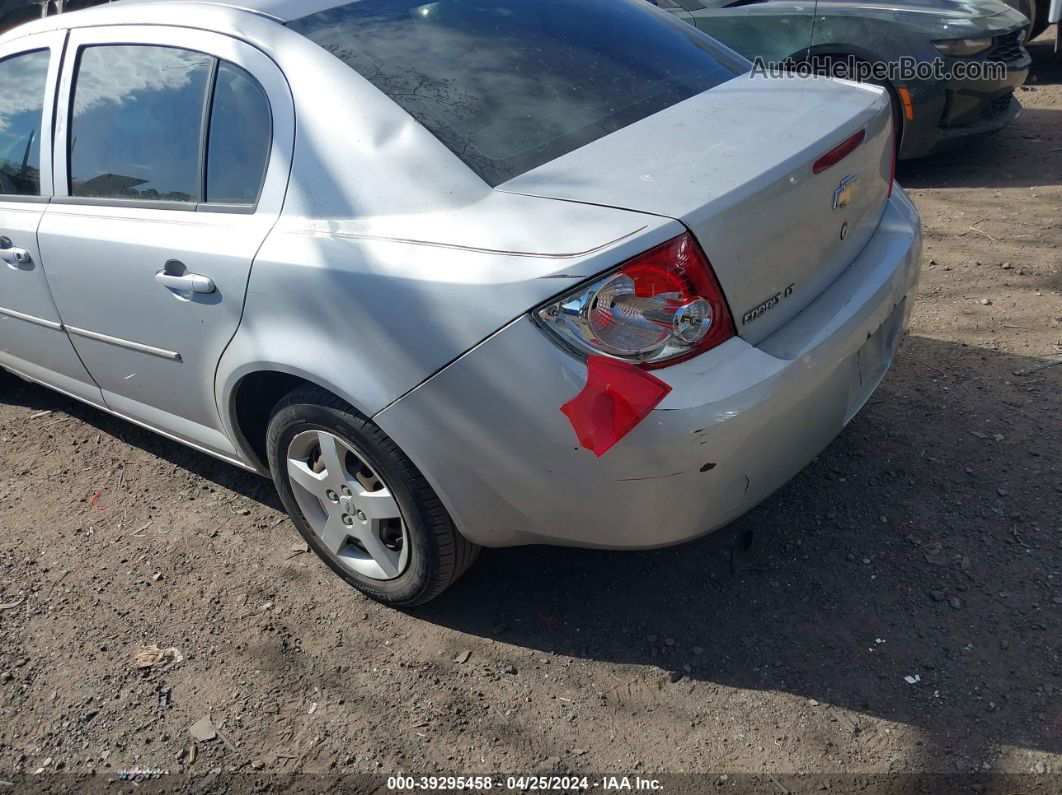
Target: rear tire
<point x="369" y="514"/>
<point x="1038" y="19"/>
<point x="1031" y="12"/>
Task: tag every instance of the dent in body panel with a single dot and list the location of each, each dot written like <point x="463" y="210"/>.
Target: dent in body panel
<point x="494" y="450"/>
<point x="348" y="230"/>
<point x="370" y="318"/>
<point x="419" y="259"/>
<point x="477" y="401"/>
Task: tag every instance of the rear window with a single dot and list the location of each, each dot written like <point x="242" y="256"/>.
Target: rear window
<point x="509" y="85"/>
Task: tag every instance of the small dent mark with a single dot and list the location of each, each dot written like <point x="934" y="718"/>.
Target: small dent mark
<point x="707" y="467"/>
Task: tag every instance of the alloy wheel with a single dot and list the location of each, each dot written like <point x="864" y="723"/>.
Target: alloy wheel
<point x="349" y="507"/>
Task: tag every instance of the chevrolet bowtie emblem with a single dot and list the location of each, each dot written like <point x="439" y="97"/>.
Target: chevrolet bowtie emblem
<point x="845" y="192"/>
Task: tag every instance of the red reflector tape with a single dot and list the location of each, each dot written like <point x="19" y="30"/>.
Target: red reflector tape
<point x="617" y="396"/>
<point x="839" y="153"/>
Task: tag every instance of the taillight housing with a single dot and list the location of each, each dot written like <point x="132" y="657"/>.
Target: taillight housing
<point x="659" y="308"/>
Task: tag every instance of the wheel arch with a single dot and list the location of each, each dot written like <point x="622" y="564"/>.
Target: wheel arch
<point x="251" y="394"/>
<point x="835" y="50"/>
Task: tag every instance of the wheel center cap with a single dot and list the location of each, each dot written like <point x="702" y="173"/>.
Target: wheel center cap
<point x="347" y="504"/>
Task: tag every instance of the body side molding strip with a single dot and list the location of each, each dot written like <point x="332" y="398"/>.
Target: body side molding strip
<point x="40" y="321"/>
<point x="135" y="346"/>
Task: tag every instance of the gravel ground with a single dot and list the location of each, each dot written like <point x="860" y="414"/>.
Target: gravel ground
<point x="899" y="612"/>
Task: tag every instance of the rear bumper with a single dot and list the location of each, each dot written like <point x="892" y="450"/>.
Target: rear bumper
<point x="740" y="421"/>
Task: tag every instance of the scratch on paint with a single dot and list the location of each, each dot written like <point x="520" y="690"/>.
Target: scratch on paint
<point x="651" y="477"/>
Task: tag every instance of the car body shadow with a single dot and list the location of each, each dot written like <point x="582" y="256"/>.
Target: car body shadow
<point x="1047" y="64"/>
<point x="38" y="398"/>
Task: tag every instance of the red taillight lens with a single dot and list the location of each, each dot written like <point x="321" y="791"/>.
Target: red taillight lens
<point x="658" y="308"/>
<point x="839" y="152"/>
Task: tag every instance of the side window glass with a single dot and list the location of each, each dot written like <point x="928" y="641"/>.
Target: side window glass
<point x="240" y="137"/>
<point x="23" y="81"/>
<point x="136" y="123"/>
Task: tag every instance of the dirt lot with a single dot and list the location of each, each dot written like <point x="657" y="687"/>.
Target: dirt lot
<point x="899" y="612"/>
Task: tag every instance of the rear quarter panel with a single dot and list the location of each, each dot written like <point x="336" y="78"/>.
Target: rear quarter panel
<point x="391" y="258"/>
<point x="369" y="316"/>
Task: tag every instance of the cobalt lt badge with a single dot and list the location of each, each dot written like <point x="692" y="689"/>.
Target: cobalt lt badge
<point x="846" y="191"/>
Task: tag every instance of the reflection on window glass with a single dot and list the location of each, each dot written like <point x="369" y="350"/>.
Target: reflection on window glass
<point x="22" y="86"/>
<point x="240" y="133"/>
<point x="137" y="119"/>
<point x="510" y="84"/>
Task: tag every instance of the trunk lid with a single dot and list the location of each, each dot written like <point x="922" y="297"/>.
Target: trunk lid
<point x="734" y="164"/>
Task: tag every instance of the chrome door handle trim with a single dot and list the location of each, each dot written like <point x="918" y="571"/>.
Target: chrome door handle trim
<point x="15" y="256"/>
<point x="189" y="283"/>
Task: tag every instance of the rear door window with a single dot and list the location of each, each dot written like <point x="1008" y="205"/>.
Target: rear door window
<point x="23" y="82"/>
<point x="240" y="136"/>
<point x="164" y="124"/>
<point x="509" y="85"/>
<point x="137" y="122"/>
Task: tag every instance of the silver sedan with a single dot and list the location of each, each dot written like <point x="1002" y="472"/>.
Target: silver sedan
<point x="454" y="274"/>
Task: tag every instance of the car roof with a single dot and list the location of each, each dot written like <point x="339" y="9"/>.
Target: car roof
<point x="280" y="10"/>
<point x="211" y="13"/>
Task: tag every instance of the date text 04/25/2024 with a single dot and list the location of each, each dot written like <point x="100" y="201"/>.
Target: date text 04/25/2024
<point x="529" y="783"/>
